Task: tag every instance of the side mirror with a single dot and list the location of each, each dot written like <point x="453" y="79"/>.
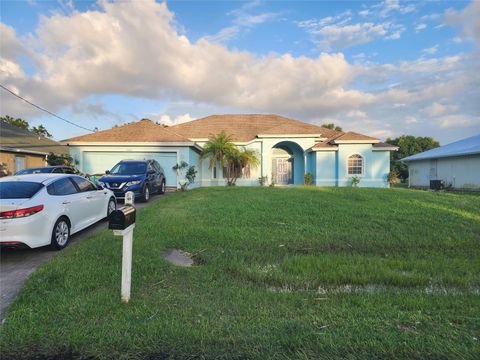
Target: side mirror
<point x="100" y="187"/>
<point x="107" y="172"/>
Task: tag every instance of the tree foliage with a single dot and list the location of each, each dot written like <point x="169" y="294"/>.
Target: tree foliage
<point x="15" y="121"/>
<point x="236" y="162"/>
<point x="63" y="159"/>
<point x="409" y="145"/>
<point x="190" y="174"/>
<point x="217" y="147"/>
<point x="23" y="124"/>
<point x="41" y="130"/>
<point x="332" y="126"/>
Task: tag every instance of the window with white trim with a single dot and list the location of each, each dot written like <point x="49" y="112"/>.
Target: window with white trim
<point x="355" y="165"/>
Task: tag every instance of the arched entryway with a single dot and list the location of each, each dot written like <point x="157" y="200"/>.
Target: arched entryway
<point x="288" y="164"/>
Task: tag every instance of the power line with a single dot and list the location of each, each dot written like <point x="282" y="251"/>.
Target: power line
<point x="40" y="108"/>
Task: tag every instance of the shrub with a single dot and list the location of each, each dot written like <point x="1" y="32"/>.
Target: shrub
<point x="392" y="177"/>
<point x="355" y="181"/>
<point x="190" y="174"/>
<point x="308" y="179"/>
<point x="263" y="180"/>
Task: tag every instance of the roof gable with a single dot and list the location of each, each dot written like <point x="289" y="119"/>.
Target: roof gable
<point x="139" y="131"/>
<point x="247" y="127"/>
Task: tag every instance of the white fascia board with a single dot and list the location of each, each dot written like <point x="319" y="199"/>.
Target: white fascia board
<point x="355" y="141"/>
<point x="24" y="151"/>
<point x="81" y="143"/>
<point x="391" y="148"/>
<point x="288" y="136"/>
<point x="326" y="149"/>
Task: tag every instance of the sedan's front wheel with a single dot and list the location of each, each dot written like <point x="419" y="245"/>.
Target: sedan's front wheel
<point x="60" y="234"/>
<point x="112" y="206"/>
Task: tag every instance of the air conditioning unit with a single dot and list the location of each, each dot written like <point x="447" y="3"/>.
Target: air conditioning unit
<point x="437" y="184"/>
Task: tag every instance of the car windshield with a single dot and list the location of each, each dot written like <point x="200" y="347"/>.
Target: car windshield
<point x="129" y="168"/>
<point x="34" y="171"/>
<point x="18" y="189"/>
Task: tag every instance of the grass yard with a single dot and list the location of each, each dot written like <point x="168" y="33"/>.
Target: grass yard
<point x="292" y="273"/>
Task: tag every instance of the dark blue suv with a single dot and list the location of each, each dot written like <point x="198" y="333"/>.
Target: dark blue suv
<point x="143" y="177"/>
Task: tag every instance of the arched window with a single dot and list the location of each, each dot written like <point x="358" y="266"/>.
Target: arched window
<point x="355" y="165"/>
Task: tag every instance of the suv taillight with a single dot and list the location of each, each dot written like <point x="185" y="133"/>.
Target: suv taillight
<point x="12" y="214"/>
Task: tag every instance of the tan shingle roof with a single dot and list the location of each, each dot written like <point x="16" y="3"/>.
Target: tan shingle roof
<point x="384" y="145"/>
<point x="247" y="127"/>
<point x="341" y="136"/>
<point x="140" y="131"/>
<point x="325" y="145"/>
<point x="353" y="136"/>
<point x="13" y="138"/>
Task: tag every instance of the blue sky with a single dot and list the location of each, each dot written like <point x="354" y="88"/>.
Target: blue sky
<point x="382" y="68"/>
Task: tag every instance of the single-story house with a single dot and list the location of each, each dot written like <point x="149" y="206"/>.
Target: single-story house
<point x="456" y="164"/>
<point x="21" y="149"/>
<point x="287" y="149"/>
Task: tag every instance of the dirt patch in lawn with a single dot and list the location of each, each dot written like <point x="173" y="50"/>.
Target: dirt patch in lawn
<point x="178" y="257"/>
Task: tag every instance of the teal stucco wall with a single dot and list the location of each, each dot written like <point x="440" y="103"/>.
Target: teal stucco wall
<point x="331" y="166"/>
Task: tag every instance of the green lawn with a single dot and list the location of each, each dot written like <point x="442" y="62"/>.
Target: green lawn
<point x="293" y="273"/>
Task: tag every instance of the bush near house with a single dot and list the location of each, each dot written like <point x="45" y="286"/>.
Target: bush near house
<point x="293" y="273"/>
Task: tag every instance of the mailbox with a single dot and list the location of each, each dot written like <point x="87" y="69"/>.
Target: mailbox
<point x="122" y="218"/>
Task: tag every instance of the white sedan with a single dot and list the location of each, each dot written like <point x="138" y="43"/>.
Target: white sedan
<point x="45" y="209"/>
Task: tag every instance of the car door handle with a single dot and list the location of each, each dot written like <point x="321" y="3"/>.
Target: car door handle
<point x="66" y="202"/>
<point x="89" y="197"/>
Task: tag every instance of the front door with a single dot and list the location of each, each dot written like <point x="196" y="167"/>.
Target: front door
<point x="283" y="171"/>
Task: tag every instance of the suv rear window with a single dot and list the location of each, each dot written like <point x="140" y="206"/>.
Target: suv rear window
<point x="18" y="189"/>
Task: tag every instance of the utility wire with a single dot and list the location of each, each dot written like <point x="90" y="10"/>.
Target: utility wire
<point x="40" y="108"/>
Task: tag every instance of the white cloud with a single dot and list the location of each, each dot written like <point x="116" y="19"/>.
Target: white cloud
<point x="167" y="120"/>
<point x="435" y="109"/>
<point x="468" y="20"/>
<point x="108" y="51"/>
<point x="420" y="27"/>
<point x="343" y="35"/>
<point x="364" y="13"/>
<point x="387" y="7"/>
<point x="224" y="35"/>
<point x="431" y="50"/>
<point x="430" y="17"/>
<point x="411" y="120"/>
<point x="243" y="21"/>
<point x="459" y="121"/>
<point x="356" y="114"/>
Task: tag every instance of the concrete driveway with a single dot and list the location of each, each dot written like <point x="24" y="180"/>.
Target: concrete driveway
<point x="16" y="265"/>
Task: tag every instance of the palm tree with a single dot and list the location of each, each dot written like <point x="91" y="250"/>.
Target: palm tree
<point x="217" y="147"/>
<point x="240" y="162"/>
<point x="220" y="148"/>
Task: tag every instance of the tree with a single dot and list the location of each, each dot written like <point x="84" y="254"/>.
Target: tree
<point x="332" y="126"/>
<point x="238" y="163"/>
<point x="217" y="147"/>
<point x="16" y="122"/>
<point x="220" y="148"/>
<point x="409" y="145"/>
<point x="41" y="130"/>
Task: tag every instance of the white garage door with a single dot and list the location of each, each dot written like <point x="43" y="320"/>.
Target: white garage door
<point x="96" y="162"/>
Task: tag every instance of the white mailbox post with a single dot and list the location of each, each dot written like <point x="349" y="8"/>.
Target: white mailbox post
<point x="122" y="222"/>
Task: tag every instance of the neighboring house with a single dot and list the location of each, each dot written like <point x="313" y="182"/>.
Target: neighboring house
<point x="457" y="164"/>
<point x="287" y="149"/>
<point x="21" y="149"/>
